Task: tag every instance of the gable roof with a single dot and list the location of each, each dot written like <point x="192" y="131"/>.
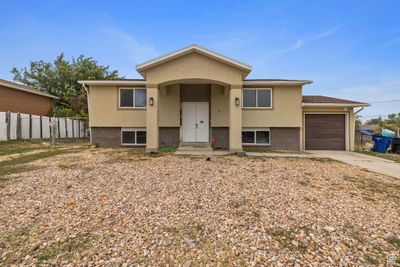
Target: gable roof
<point x="24" y="88"/>
<point x="190" y="49"/>
<point x="319" y="100"/>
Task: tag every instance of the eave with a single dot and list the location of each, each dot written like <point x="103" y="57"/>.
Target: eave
<point x="336" y="105"/>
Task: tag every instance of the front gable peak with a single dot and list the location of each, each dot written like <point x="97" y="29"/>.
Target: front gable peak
<point x="141" y="68"/>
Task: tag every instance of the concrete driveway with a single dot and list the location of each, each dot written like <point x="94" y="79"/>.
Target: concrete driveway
<point x="370" y="163"/>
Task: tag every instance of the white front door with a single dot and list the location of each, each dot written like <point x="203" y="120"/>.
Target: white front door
<point x="195" y="122"/>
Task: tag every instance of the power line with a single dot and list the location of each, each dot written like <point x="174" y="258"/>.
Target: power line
<point x="386" y="101"/>
<point x="373" y="116"/>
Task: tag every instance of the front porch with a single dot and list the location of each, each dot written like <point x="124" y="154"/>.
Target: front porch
<point x="201" y="114"/>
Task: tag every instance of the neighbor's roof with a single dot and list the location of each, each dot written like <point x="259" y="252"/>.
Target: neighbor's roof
<point x="24" y="88"/>
<point x="319" y="100"/>
<point x="193" y="48"/>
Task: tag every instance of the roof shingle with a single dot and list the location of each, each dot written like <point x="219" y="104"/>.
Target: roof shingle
<point x="319" y="99"/>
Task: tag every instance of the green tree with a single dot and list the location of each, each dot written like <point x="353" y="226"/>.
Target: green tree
<point x="392" y="122"/>
<point x="378" y="121"/>
<point x="61" y="77"/>
<point x="358" y="121"/>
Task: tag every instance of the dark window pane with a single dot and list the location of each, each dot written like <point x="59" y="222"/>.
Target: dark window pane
<point x="264" y="98"/>
<point x="249" y="98"/>
<point x="247" y="137"/>
<point x="126" y="98"/>
<point x="128" y="137"/>
<point x="262" y="137"/>
<point x="140" y="97"/>
<point x="140" y="137"/>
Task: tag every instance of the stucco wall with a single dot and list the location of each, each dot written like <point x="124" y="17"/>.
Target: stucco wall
<point x="193" y="66"/>
<point x="169" y="109"/>
<point x="104" y="111"/>
<point x="285" y="112"/>
<point x="219" y="106"/>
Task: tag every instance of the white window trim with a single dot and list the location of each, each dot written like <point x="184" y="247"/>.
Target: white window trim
<point x="255" y="136"/>
<point x="257" y="107"/>
<point x="134" y="96"/>
<point x="133" y="130"/>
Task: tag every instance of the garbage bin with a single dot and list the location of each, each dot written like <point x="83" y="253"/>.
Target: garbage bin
<point x="396" y="145"/>
<point x="382" y="143"/>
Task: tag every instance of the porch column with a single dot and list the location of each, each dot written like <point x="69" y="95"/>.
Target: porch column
<point x="152" y="118"/>
<point x="235" y="118"/>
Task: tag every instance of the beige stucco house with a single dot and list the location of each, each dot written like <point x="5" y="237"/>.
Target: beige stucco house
<point x="194" y="95"/>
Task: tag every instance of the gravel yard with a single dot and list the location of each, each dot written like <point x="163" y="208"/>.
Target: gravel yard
<point x="103" y="206"/>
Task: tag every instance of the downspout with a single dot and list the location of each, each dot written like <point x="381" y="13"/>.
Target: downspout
<point x="354" y="117"/>
<point x="87" y="96"/>
<point x="358" y="111"/>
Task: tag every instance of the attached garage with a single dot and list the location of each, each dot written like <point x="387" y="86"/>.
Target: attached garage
<point x="325" y="132"/>
<point x="328" y="123"/>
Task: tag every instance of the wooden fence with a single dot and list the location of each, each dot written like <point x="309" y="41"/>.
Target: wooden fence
<point x="362" y="139"/>
<point x="19" y="126"/>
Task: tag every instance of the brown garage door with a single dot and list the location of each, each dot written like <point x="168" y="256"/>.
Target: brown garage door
<point x="325" y="132"/>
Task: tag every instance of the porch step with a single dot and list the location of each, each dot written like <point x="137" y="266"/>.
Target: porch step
<point x="204" y="147"/>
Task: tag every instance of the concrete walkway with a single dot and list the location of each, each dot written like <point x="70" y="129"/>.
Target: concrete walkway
<point x="373" y="164"/>
<point x="370" y="163"/>
<point x="277" y="155"/>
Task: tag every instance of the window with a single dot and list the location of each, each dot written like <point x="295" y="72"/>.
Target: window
<point x="132" y="98"/>
<point x="133" y="137"/>
<point x="255" y="136"/>
<point x="257" y="98"/>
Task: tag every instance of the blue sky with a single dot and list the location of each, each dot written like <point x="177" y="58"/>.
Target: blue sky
<point x="350" y="49"/>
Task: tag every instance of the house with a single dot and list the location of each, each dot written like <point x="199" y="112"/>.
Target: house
<point x="17" y="97"/>
<point x="194" y="95"/>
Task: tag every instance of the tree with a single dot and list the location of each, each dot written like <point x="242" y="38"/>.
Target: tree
<point x="61" y="77"/>
<point x="358" y="121"/>
<point x="392" y="122"/>
<point x="378" y="121"/>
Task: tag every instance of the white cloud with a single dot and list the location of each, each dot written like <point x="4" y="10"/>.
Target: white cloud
<point x="300" y="42"/>
<point x="136" y="51"/>
<point x="327" y="33"/>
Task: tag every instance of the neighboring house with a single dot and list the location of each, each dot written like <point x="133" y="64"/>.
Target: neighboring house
<point x="194" y="95"/>
<point x="17" y="97"/>
<point x="371" y="127"/>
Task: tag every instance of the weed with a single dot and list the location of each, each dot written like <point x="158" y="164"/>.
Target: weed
<point x="370" y="187"/>
<point x="371" y="260"/>
<point x="17" y="240"/>
<point x="394" y="241"/>
<point x="311" y="199"/>
<point x="287" y="240"/>
<point x="304" y="182"/>
<point x="18" y="165"/>
<point x="394" y="157"/>
<point x="167" y="149"/>
<point x="66" y="250"/>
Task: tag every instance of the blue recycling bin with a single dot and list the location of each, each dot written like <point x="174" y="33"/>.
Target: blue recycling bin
<point x="382" y="143"/>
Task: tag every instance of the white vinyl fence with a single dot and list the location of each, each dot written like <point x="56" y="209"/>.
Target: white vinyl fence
<point x="15" y="126"/>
